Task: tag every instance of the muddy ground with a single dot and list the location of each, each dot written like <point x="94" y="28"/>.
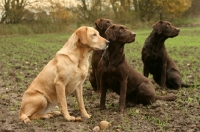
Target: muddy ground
<point x="182" y="115"/>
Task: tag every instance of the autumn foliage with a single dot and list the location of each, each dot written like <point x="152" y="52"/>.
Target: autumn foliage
<point x="62" y="12"/>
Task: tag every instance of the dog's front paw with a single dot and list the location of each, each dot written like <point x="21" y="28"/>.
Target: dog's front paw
<point x="70" y="118"/>
<point x="86" y="116"/>
<point x="27" y="120"/>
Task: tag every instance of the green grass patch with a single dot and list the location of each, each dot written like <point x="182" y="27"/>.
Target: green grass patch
<point x="31" y="52"/>
<point x="24" y="56"/>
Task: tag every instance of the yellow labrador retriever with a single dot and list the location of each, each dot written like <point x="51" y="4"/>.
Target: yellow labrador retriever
<point x="63" y="75"/>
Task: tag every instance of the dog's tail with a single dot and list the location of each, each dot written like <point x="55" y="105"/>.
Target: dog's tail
<point x="166" y="98"/>
<point x="23" y="117"/>
<point x="189" y="85"/>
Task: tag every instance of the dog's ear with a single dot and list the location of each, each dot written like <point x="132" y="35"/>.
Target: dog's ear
<point x="99" y="24"/>
<point x="110" y="34"/>
<point x="82" y="34"/>
<point x="158" y="27"/>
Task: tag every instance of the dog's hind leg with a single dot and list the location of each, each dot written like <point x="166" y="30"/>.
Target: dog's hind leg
<point x="46" y="112"/>
<point x="146" y="93"/>
<point x="173" y="80"/>
<point x="33" y="103"/>
<point x="24" y="117"/>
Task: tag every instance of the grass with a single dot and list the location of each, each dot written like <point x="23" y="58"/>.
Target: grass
<point x="133" y="112"/>
<point x="34" y="28"/>
<point x="28" y="54"/>
<point x="23" y="57"/>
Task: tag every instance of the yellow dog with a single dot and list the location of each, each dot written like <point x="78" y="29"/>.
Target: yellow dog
<point x="63" y="75"/>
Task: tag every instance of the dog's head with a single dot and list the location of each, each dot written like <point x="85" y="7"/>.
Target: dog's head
<point x="102" y="24"/>
<point x="119" y="33"/>
<point x="166" y="28"/>
<point x="90" y="38"/>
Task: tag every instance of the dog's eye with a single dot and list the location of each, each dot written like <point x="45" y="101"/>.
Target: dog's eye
<point x="94" y="34"/>
<point x="121" y="29"/>
<point x="107" y="22"/>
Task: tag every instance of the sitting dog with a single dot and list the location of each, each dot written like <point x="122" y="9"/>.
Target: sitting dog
<point x="116" y="73"/>
<point x="156" y="60"/>
<point x="63" y="75"/>
<point x="101" y="26"/>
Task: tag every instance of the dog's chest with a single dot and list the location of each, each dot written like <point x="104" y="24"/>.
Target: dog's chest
<point x="80" y="72"/>
<point x="110" y="71"/>
<point x="112" y="78"/>
<point x="76" y="80"/>
<point x="113" y="81"/>
<point x="154" y="62"/>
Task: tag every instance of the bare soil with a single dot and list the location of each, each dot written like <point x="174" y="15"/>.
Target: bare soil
<point x="182" y="115"/>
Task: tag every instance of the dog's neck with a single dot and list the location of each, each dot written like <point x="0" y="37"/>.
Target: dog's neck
<point x="101" y="32"/>
<point x="75" y="52"/>
<point x="114" y="54"/>
<point x="156" y="41"/>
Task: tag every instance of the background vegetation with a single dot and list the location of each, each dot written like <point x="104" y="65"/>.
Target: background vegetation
<point x="47" y="16"/>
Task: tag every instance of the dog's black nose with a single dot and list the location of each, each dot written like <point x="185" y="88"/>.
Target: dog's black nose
<point x="134" y="34"/>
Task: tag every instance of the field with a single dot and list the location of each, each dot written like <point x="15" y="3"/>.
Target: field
<point x="23" y="57"/>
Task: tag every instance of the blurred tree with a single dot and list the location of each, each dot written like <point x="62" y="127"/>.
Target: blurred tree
<point x="13" y="10"/>
<point x="90" y="10"/>
<point x="121" y="7"/>
<point x="121" y="11"/>
<point x="85" y="10"/>
<point x="135" y="3"/>
<point x="175" y="7"/>
<point x="57" y="11"/>
<point x="148" y="9"/>
<point x="168" y="8"/>
<point x="194" y="10"/>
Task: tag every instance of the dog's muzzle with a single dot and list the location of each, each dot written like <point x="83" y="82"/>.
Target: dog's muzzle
<point x="134" y="34"/>
<point x="178" y="29"/>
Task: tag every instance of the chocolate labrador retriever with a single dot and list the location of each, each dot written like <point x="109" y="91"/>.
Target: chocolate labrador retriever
<point x="156" y="60"/>
<point x="101" y="25"/>
<point x="116" y="73"/>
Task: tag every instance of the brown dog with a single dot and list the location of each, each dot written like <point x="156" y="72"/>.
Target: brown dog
<point x="101" y="26"/>
<point x="156" y="60"/>
<point x="116" y="73"/>
<point x="63" y="75"/>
